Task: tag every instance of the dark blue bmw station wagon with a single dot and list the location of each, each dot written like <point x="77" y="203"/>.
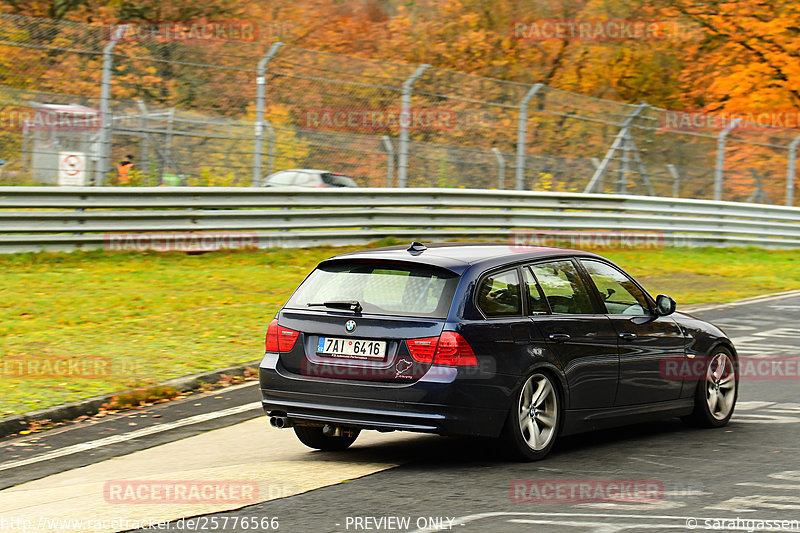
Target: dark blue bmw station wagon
<point x="485" y="340"/>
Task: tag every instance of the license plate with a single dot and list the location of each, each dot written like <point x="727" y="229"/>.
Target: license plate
<point x="351" y="348"/>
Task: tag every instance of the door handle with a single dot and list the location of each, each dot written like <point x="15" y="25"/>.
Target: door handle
<point x="627" y="335"/>
<point x="559" y="337"/>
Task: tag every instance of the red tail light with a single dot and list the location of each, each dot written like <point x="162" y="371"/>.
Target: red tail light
<point x="423" y="350"/>
<point x="449" y="349"/>
<point x="279" y="338"/>
<point x="454" y="350"/>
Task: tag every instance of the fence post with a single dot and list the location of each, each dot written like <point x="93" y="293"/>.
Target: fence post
<point x="522" y="132"/>
<point x="624" y="170"/>
<point x="759" y="195"/>
<point x="387" y="144"/>
<point x="676" y="180"/>
<point x="622" y="137"/>
<point x="501" y="168"/>
<point x="261" y="84"/>
<point x="270" y="146"/>
<point x="25" y="157"/>
<point x="718" y="170"/>
<point x="405" y="120"/>
<point x="643" y="174"/>
<point x="104" y="154"/>
<point x="144" y="152"/>
<point x="790" y="171"/>
<point x="168" y="143"/>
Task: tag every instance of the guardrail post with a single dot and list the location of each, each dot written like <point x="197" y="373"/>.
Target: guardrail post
<point x="790" y="171"/>
<point x="104" y="154"/>
<point x="621" y="137"/>
<point x="501" y="168"/>
<point x="261" y="84"/>
<point x="719" y="169"/>
<point x="405" y="121"/>
<point x="522" y="132"/>
<point x="387" y="144"/>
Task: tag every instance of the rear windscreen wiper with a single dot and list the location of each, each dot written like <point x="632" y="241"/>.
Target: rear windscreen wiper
<point x="350" y="305"/>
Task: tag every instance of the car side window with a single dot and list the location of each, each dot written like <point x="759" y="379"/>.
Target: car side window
<point x="499" y="294"/>
<point x="620" y="294"/>
<point x="304" y="178"/>
<point x="536" y="303"/>
<point x="563" y="288"/>
<point x="282" y="178"/>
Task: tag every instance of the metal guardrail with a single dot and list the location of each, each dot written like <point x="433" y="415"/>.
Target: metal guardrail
<point x="65" y="219"/>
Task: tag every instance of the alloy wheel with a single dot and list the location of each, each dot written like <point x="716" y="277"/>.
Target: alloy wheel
<point x="538" y="412"/>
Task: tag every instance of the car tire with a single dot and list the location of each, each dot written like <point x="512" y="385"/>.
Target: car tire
<point x="716" y="392"/>
<point x="534" y="419"/>
<point x="313" y="437"/>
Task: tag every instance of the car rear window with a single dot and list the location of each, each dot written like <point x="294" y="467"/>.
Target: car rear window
<point x="381" y="288"/>
<point x="338" y="180"/>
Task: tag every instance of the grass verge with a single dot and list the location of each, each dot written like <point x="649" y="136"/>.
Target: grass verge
<point x="143" y="318"/>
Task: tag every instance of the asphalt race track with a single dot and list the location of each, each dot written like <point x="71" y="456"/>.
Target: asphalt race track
<point x="652" y="477"/>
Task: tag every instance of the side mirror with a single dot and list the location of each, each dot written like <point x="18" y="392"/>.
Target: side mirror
<point x="665" y="305"/>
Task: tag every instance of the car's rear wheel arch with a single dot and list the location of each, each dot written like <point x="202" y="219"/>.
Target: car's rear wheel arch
<point x="556" y="377"/>
<point x="521" y="438"/>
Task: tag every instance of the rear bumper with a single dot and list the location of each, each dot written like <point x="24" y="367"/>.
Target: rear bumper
<point x="442" y="402"/>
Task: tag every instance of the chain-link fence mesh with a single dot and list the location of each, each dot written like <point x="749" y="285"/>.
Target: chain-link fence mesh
<point x="78" y="100"/>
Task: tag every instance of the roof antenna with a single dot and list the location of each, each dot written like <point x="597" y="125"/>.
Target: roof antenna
<point x="416" y="248"/>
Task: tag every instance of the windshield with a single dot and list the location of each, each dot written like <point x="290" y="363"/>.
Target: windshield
<point x="380" y="288"/>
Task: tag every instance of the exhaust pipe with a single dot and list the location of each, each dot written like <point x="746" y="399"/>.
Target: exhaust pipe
<point x="279" y="422"/>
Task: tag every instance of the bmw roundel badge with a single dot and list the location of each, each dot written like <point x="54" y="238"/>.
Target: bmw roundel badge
<point x="350" y="326"/>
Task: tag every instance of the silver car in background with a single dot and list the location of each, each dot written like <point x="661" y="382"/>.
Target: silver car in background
<point x="308" y="178"/>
